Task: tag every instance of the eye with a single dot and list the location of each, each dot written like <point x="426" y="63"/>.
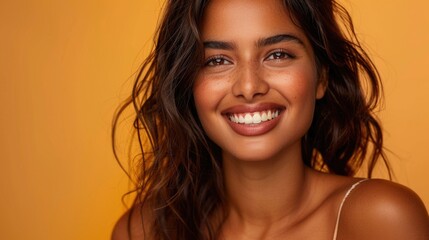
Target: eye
<point x="217" y="61"/>
<point x="278" y="55"/>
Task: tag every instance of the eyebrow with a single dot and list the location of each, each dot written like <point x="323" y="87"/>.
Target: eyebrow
<point x="219" y="45"/>
<point x="277" y="39"/>
<point x="263" y="42"/>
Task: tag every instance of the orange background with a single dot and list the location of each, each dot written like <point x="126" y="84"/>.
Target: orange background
<point x="65" y="66"/>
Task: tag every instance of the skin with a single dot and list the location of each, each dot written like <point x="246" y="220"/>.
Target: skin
<point x="249" y="75"/>
<point x="270" y="193"/>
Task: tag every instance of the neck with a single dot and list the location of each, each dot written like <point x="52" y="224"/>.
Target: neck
<point x="267" y="191"/>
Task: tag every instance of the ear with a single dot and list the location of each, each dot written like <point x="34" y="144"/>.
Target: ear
<point x="322" y="83"/>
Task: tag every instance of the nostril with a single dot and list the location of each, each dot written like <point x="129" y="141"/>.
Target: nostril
<point x="250" y="86"/>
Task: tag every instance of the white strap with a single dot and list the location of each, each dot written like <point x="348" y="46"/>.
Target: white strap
<point x="342" y="203"/>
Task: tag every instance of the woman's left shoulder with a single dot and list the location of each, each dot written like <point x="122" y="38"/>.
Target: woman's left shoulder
<point x="381" y="209"/>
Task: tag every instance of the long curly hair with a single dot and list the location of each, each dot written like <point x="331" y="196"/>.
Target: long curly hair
<point x="179" y="170"/>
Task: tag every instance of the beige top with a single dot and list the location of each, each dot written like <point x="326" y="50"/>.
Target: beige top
<point x="342" y="203"/>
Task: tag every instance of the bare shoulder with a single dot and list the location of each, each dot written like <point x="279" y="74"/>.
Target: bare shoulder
<point x="380" y="209"/>
<point x="132" y="225"/>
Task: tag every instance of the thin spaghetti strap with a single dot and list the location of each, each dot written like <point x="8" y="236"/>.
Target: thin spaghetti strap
<point x="342" y="203"/>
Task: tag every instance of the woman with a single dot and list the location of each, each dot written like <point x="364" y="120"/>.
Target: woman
<point x="257" y="121"/>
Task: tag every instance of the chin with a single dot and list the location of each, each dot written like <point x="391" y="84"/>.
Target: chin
<point x="259" y="151"/>
<point x="251" y="155"/>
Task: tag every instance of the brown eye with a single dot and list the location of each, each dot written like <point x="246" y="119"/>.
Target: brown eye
<point x="217" y="61"/>
<point x="278" y="55"/>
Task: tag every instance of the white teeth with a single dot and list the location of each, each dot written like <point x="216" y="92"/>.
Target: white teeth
<point x="248" y="119"/>
<point x="241" y="119"/>
<point x="264" y="117"/>
<point x="255" y="117"/>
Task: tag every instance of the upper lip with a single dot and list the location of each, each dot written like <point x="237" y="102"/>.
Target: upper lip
<point x="252" y="108"/>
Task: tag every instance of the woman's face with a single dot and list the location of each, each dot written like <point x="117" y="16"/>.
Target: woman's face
<point x="256" y="92"/>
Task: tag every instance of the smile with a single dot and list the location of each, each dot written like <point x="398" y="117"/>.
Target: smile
<point x="254" y="117"/>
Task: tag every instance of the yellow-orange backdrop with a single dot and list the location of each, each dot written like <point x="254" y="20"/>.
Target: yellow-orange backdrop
<point x="65" y="65"/>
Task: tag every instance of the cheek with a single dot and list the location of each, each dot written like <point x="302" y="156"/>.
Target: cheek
<point x="206" y="107"/>
<point x="209" y="92"/>
<point x="299" y="85"/>
<point x="304" y="91"/>
<point x="202" y="100"/>
<point x="206" y="96"/>
<point x="199" y="99"/>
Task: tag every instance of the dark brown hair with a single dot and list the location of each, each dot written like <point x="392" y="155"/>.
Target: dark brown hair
<point x="180" y="172"/>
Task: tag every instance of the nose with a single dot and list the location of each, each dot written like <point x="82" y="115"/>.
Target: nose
<point x="249" y="83"/>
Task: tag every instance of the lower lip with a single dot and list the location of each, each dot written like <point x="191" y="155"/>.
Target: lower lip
<point x="254" y="129"/>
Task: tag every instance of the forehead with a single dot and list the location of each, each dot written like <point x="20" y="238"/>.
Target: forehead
<point x="227" y="18"/>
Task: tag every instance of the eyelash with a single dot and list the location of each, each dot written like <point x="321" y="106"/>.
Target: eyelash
<point x="282" y="52"/>
<point x="222" y="60"/>
<point x="216" y="61"/>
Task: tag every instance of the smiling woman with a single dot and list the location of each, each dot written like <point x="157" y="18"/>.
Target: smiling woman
<point x="257" y="123"/>
<point x="261" y="62"/>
